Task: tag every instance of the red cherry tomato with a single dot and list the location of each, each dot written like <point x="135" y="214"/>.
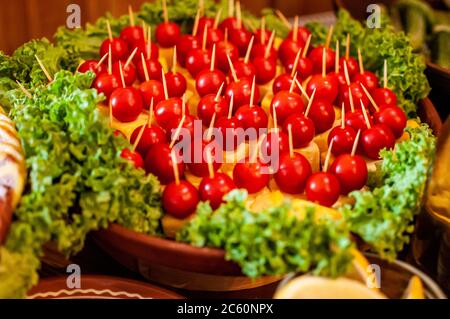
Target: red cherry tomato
<point x="187" y="126"/>
<point x="259" y="36"/>
<point x="356" y="120"/>
<point x="374" y="139"/>
<point x="302" y="34"/>
<point x="273" y="144"/>
<point x="129" y="72"/>
<point x="259" y="50"/>
<point x="92" y="65"/>
<point x="340" y="78"/>
<point x="119" y="49"/>
<point x="288" y="50"/>
<point x="198" y="164"/>
<point x="230" y="136"/>
<point x="266" y="69"/>
<point x="167" y="34"/>
<point x="186" y="43"/>
<point x="326" y="87"/>
<point x="368" y="79"/>
<point x="202" y="23"/>
<point x="358" y="95"/>
<point x="197" y="60"/>
<point x="142" y="50"/>
<point x="126" y="104"/>
<point x="151" y="135"/>
<point x="243" y="70"/>
<point x="153" y="67"/>
<point x="213" y="189"/>
<point x="241" y="90"/>
<point x="323" y="116"/>
<point x="209" y="82"/>
<point x="351" y="171"/>
<point x="292" y="173"/>
<point x="393" y="117"/>
<point x="180" y="200"/>
<point x="384" y="96"/>
<point x="151" y="89"/>
<point x="224" y="48"/>
<point x="240" y="38"/>
<point x="158" y="162"/>
<point x="106" y="83"/>
<point x="208" y="105"/>
<point x="132" y="35"/>
<point x="323" y="188"/>
<point x="252" y="116"/>
<point x="343" y="138"/>
<point x="229" y="23"/>
<point x="316" y="57"/>
<point x="302" y="128"/>
<point x="176" y="84"/>
<point x="304" y="68"/>
<point x="213" y="36"/>
<point x="133" y="157"/>
<point x="251" y="176"/>
<point x="283" y="82"/>
<point x="285" y="104"/>
<point x="352" y="65"/>
<point x="168" y="109"/>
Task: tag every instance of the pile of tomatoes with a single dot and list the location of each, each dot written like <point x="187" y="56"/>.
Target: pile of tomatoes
<point x="225" y="59"/>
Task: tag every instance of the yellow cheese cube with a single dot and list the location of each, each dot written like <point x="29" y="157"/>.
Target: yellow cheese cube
<point x="312" y="154"/>
<point x="172" y="225"/>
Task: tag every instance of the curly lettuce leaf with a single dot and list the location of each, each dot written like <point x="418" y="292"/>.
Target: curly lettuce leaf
<point x="270" y="242"/>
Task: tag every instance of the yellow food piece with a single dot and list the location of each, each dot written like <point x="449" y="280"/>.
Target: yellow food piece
<point x="360" y="269"/>
<point x="166" y="58"/>
<point x="172" y="225"/>
<point x="312" y="154"/>
<point x="255" y="202"/>
<point x="277" y="42"/>
<point x="322" y="139"/>
<point x="191" y="178"/>
<point x="299" y="207"/>
<point x="230" y="158"/>
<point x="312" y="287"/>
<point x="414" y="289"/>
<point x="266" y="101"/>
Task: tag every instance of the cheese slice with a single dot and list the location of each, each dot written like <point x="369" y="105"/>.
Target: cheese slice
<point x="312" y="154"/>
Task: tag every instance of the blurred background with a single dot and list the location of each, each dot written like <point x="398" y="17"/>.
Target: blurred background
<point x="22" y="20"/>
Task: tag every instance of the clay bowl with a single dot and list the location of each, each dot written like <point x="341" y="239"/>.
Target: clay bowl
<point x="98" y="287"/>
<point x="183" y="266"/>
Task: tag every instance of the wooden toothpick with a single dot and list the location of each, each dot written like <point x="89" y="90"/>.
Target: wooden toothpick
<point x="283" y="19"/>
<point x="327" y="158"/>
<point x="176" y="174"/>
<point x="144" y="66"/>
<point x="355" y="143"/>
<point x="360" y="60"/>
<point x="24" y="90"/>
<point x="310" y="102"/>
<point x="41" y="65"/>
<point x="163" y="77"/>
<point x="130" y="58"/>
<point x="249" y="50"/>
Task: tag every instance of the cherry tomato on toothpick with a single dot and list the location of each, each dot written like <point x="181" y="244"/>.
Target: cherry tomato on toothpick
<point x="265" y="68"/>
<point x="176" y="84"/>
<point x="384" y="97"/>
<point x="166" y="110"/>
<point x="213" y="189"/>
<point x="126" y="104"/>
<point x="323" y="188"/>
<point x="368" y="79"/>
<point x="209" y="81"/>
<point x="393" y="117"/>
<point x="180" y="200"/>
<point x="132" y="35"/>
<point x="351" y="171"/>
<point x="292" y="173"/>
<point x="316" y="57"/>
<point x="198" y="164"/>
<point x="302" y="127"/>
<point x="252" y="116"/>
<point x="283" y="82"/>
<point x="151" y="89"/>
<point x="374" y="139"/>
<point x="343" y="139"/>
<point x="251" y="176"/>
<point x="288" y="50"/>
<point x="151" y="135"/>
<point x="129" y="72"/>
<point x="286" y="103"/>
<point x="158" y="162"/>
<point x="167" y="34"/>
<point x="197" y="60"/>
<point x="92" y="65"/>
<point x="186" y="43"/>
<point x="326" y="87"/>
<point x="241" y="90"/>
<point x="119" y="49"/>
<point x="243" y="70"/>
<point x="208" y="105"/>
<point x="153" y="67"/>
<point x="323" y="115"/>
<point x="106" y="83"/>
<point x="133" y="157"/>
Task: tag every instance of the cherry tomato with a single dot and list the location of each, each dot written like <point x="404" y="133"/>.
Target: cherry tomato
<point x="352" y="65"/>
<point x="384" y="97"/>
<point x="351" y="171"/>
<point x="368" y="79"/>
<point x="176" y="84"/>
<point x="158" y="162"/>
<point x="251" y="176"/>
<point x="243" y="70"/>
<point x="198" y="164"/>
<point x="126" y="104"/>
<point x="374" y="139"/>
<point x="187" y="126"/>
<point x="213" y="36"/>
<point x="288" y="50"/>
<point x="165" y="110"/>
<point x="129" y="72"/>
<point x="326" y="87"/>
<point x="358" y="95"/>
<point x="323" y="188"/>
<point x="132" y="35"/>
<point x="209" y="82"/>
<point x="151" y="135"/>
<point x="304" y="68"/>
<point x="119" y="49"/>
<point x="285" y="104"/>
<point x="259" y="50"/>
<point x="133" y="157"/>
<point x="224" y="48"/>
<point x="203" y="22"/>
<point x="302" y="129"/>
<point x="106" y="83"/>
<point x="208" y="105"/>
<point x="180" y="200"/>
<point x="229" y="129"/>
<point x="340" y="78"/>
<point x="240" y="38"/>
<point x="273" y="144"/>
<point x="343" y="138"/>
<point x="356" y="120"/>
<point x="283" y="82"/>
<point x="316" y="57"/>
<point x="167" y="34"/>
<point x="241" y="90"/>
<point x="292" y="173"/>
<point x="142" y="50"/>
<point x="92" y="65"/>
<point x="252" y="116"/>
<point x="393" y="117"/>
<point x="323" y="116"/>
<point x="153" y="67"/>
<point x="266" y="69"/>
<point x="197" y="60"/>
<point x="213" y="189"/>
<point x="302" y="34"/>
<point x="259" y="36"/>
<point x="186" y="43"/>
<point x="151" y="89"/>
<point x="229" y="23"/>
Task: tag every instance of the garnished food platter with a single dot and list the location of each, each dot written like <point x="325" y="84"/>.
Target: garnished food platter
<point x="211" y="150"/>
